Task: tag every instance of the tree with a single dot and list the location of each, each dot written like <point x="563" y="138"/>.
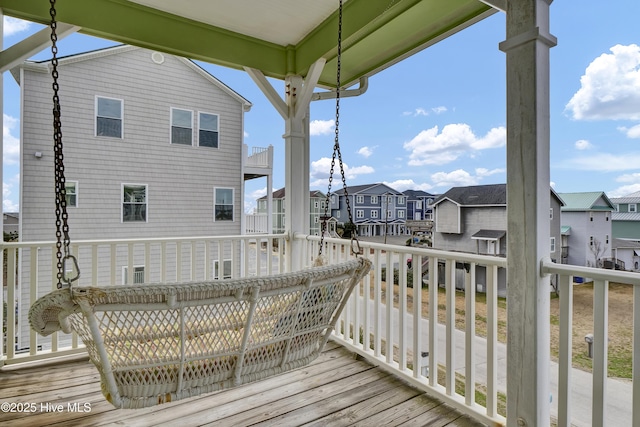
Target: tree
<point x="597" y="249"/>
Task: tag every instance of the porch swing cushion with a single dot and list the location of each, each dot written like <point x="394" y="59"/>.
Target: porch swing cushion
<point x="158" y="343"/>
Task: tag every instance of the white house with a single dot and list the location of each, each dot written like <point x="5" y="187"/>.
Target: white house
<point x="153" y="147"/>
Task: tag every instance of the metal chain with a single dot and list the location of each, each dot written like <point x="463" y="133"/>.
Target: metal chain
<point x="62" y="224"/>
<point x="355" y="247"/>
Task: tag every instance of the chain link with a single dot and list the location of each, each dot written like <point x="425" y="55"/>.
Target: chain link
<point x="336" y="153"/>
<point x="62" y="225"/>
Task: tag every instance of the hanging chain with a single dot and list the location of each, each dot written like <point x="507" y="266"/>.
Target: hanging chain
<point x="62" y="225"/>
<point x="355" y="244"/>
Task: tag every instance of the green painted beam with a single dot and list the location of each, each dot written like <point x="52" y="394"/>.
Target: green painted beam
<point x="139" y="25"/>
<point x="376" y="33"/>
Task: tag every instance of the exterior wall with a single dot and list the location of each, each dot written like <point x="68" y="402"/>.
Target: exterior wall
<point x="625" y="229"/>
<point x="447" y="218"/>
<point x="556" y="219"/>
<point x="584" y="225"/>
<point x="473" y="220"/>
<point x="180" y="179"/>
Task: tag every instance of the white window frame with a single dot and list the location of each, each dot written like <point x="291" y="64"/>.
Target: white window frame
<point x="360" y="199"/>
<point x="146" y="202"/>
<point x="75" y="193"/>
<point x="552" y="247"/>
<point x="232" y="204"/>
<point x="359" y="213"/>
<point x="418" y="204"/>
<point x="137" y="269"/>
<point x="216" y="271"/>
<point x="635" y="208"/>
<point x="550" y="213"/>
<point x="171" y="126"/>
<point x="374" y="200"/>
<point x="217" y="130"/>
<point x="374" y="214"/>
<point x="401" y="200"/>
<point x="400" y="214"/>
<point x="121" y="118"/>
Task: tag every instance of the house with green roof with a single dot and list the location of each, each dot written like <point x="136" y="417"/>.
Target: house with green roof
<point x="626" y="218"/>
<point x="587" y="219"/>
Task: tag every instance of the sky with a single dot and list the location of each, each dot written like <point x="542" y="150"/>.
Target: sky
<point x="437" y="119"/>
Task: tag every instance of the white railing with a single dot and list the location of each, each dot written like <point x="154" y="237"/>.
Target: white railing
<point x="378" y="325"/>
<point x="393" y="337"/>
<point x="629" y="412"/>
<point x="259" y="156"/>
<point x="256" y="224"/>
<point x="30" y="272"/>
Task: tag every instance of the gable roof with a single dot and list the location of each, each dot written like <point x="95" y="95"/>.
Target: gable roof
<point x="355" y="189"/>
<point x="115" y="50"/>
<point x="629" y="198"/>
<point x="476" y="195"/>
<point x="279" y="194"/>
<point x="589" y="201"/>
<point x="414" y="194"/>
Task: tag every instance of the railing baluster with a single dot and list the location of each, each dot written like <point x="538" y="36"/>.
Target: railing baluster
<point x="565" y="350"/>
<point x="600" y="345"/>
<point x="492" y="340"/>
<point x="402" y="311"/>
<point x="470" y="337"/>
<point x="450" y="322"/>
<point x="636" y="357"/>
<point x="377" y="303"/>
<point x="389" y="306"/>
<point x="416" y="266"/>
<point x="11" y="303"/>
<point x="33" y="291"/>
<point x="433" y="321"/>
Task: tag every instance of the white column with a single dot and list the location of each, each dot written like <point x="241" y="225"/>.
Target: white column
<point x="528" y="194"/>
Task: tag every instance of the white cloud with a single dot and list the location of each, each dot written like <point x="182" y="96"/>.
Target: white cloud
<point x="366" y="151"/>
<point x="408" y="184"/>
<point x="424" y="112"/>
<point x="321" y="168"/>
<point x="634" y="186"/>
<point x="603" y="162"/>
<point x="610" y="87"/>
<point x="321" y="127"/>
<point x="483" y="172"/>
<point x="430" y="147"/>
<point x="11" y="155"/>
<point x="13" y="26"/>
<point x="251" y="199"/>
<point x="583" y="144"/>
<point x="456" y="178"/>
<point x="632" y="132"/>
<point x="8" y="199"/>
<point x="439" y="110"/>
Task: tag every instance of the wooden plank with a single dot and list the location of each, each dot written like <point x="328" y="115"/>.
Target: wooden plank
<point x="401" y="413"/>
<point x="359" y="411"/>
<point x="439" y="416"/>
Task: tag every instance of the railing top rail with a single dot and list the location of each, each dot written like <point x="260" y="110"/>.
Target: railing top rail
<point x="549" y="267"/>
<point x="144" y="240"/>
<point x="440" y="254"/>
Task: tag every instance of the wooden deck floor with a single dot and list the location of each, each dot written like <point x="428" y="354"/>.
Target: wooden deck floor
<point x="335" y="390"/>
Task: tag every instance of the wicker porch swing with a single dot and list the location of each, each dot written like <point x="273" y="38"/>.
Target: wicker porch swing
<point x="157" y="343"/>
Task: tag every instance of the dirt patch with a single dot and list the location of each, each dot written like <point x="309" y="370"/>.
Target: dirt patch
<point x="620" y="322"/>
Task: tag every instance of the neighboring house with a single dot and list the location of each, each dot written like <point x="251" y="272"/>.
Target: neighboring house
<point x="474" y="220"/>
<point x="152" y="148"/>
<point x="625" y="254"/>
<point x="316" y="210"/>
<point x="626" y="218"/>
<point x="419" y="211"/>
<point x="11" y="224"/>
<point x="586" y="219"/>
<point x="377" y="209"/>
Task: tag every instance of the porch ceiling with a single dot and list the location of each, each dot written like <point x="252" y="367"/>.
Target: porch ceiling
<point x="278" y="37"/>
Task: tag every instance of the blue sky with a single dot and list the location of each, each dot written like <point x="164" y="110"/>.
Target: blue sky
<point x="437" y="119"/>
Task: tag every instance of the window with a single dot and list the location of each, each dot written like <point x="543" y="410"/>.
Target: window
<point x="208" y="130"/>
<point x="419" y="204"/>
<point x="617" y="206"/>
<point x="374" y="214"/>
<point x="223" y="200"/>
<point x="181" y="127"/>
<point x="338" y="214"/>
<point x="606" y="215"/>
<point x="359" y="213"/>
<point x="108" y="117"/>
<point x="226" y="269"/>
<point x="333" y="198"/>
<point x="71" y="191"/>
<point x="591" y="216"/>
<point x="551" y="214"/>
<point x="138" y="275"/>
<point x="360" y="199"/>
<point x="553" y="245"/>
<point x="315" y="219"/>
<point x="134" y="202"/>
<point x="374" y="200"/>
<point x="606" y="239"/>
<point x="633" y="207"/>
<point x="591" y="241"/>
<point x="389" y="214"/>
<point x="401" y="200"/>
<point x="315" y="204"/>
<point x="400" y="214"/>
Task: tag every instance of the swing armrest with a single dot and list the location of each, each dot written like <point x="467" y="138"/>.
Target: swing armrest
<point x="49" y="313"/>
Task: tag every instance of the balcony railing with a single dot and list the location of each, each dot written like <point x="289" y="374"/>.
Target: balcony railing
<point x="261" y="157"/>
<point x="388" y="328"/>
<point x="256" y="224"/>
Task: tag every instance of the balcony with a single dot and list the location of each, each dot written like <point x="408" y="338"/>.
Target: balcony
<point x="390" y="333"/>
<point x="258" y="161"/>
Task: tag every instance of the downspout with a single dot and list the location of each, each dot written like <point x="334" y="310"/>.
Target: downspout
<point x="362" y="88"/>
